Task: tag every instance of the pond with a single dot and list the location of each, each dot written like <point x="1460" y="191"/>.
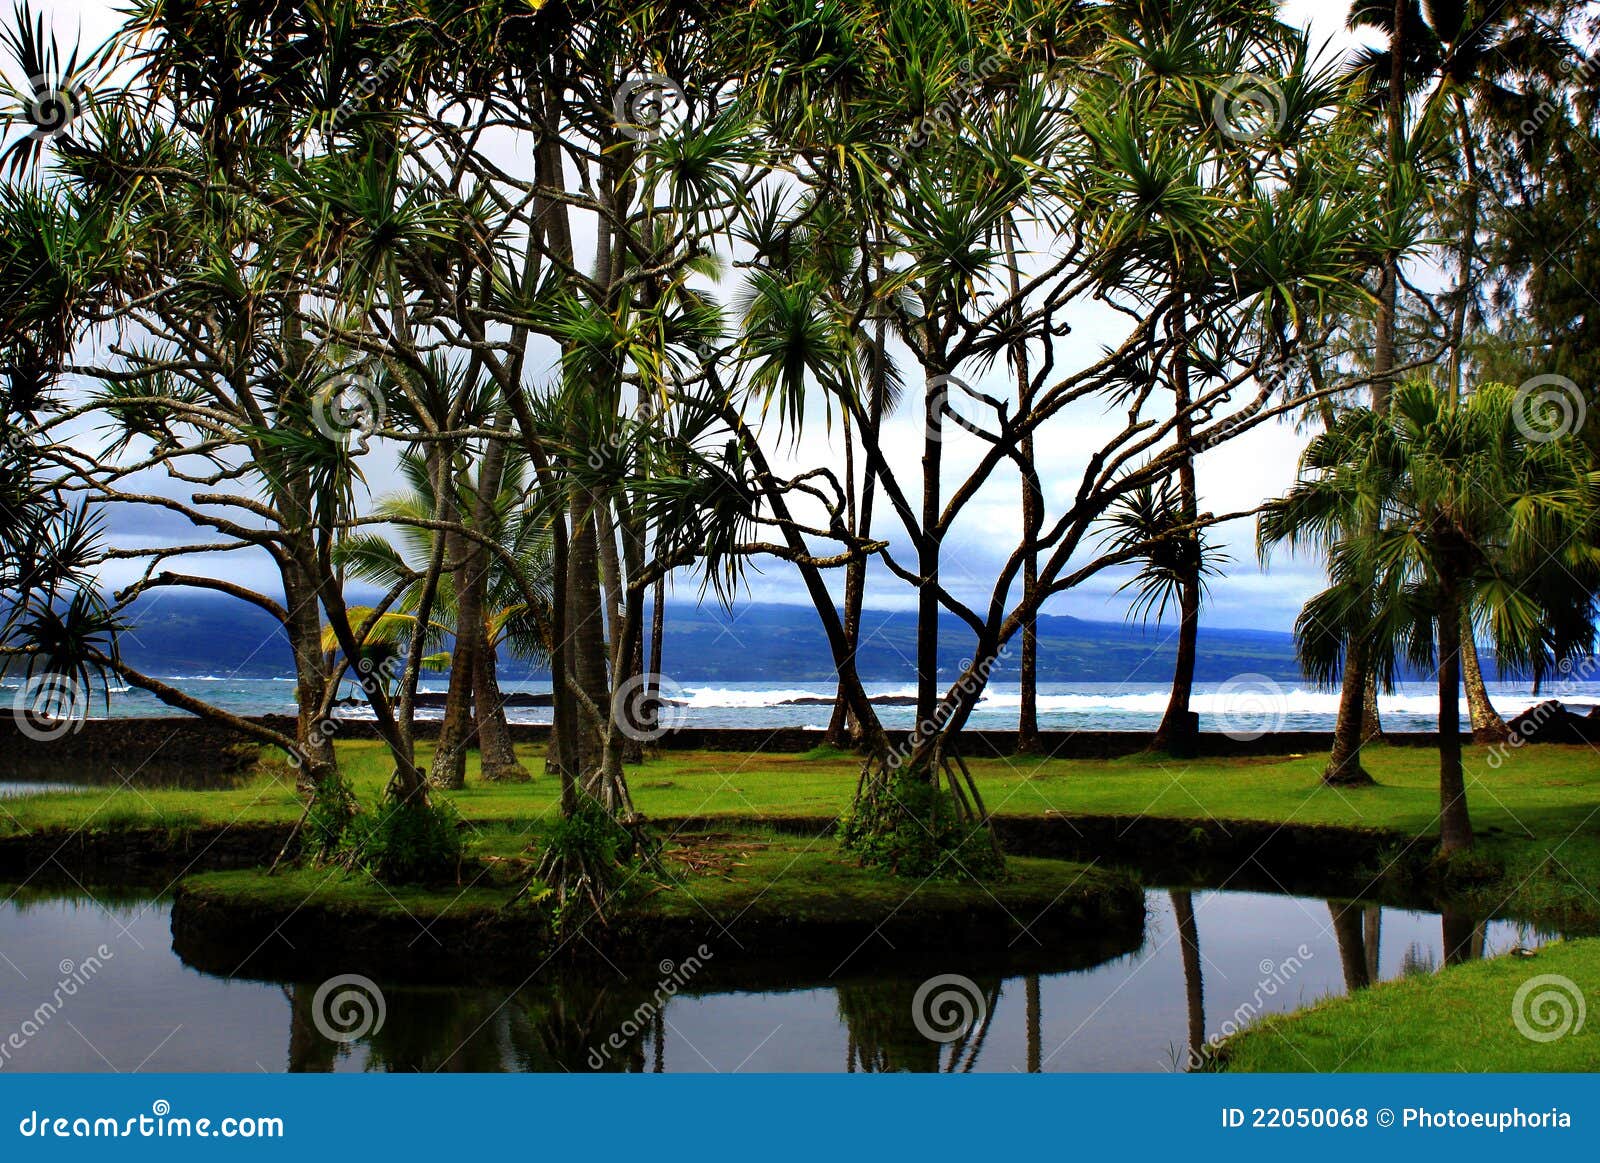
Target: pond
<point x="92" y="984"/>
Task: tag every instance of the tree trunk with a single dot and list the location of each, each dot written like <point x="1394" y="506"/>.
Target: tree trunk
<point x="838" y="730"/>
<point x="928" y="554"/>
<point x="658" y="634"/>
<point x="1028" y="711"/>
<point x="1466" y="252"/>
<point x="449" y="767"/>
<point x="629" y="671"/>
<point x="1462" y="934"/>
<point x="1176" y="734"/>
<point x="1455" y="825"/>
<point x="416" y="647"/>
<point x="1371" y="716"/>
<point x="561" y="755"/>
<point x="586" y="635"/>
<point x="1344" y="765"/>
<point x="313" y="735"/>
<point x="1487" y="725"/>
<point x="1035" y="1023"/>
<point x="1383" y="354"/>
<point x="1032" y="517"/>
<point x="497" y="754"/>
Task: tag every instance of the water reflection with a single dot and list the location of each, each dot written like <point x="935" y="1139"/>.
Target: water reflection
<point x="1209" y="960"/>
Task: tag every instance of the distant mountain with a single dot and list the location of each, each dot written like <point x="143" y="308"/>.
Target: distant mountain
<point x="204" y="634"/>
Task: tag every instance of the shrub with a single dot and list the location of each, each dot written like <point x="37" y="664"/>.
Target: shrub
<point x="407" y="843"/>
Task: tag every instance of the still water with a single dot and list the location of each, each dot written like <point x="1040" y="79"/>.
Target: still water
<point x="92" y="984"/>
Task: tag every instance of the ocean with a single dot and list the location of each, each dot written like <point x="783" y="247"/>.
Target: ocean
<point x="1249" y="704"/>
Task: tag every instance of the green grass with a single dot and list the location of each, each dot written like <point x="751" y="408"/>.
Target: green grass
<point x="748" y="873"/>
<point x="1459" y="1019"/>
<point x="1541" y="790"/>
<point x="1537" y="812"/>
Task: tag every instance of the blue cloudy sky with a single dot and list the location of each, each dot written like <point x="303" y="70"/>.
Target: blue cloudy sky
<point x="1234" y="477"/>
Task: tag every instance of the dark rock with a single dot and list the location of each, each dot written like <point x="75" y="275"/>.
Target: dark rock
<point x="1551" y="722"/>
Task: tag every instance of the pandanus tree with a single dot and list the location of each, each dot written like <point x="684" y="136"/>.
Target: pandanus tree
<point x="197" y="279"/>
<point x="1461" y="513"/>
<point x="1008" y="205"/>
<point x="1214" y="68"/>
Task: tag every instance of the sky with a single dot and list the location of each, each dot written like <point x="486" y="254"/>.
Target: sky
<point x="1236" y="476"/>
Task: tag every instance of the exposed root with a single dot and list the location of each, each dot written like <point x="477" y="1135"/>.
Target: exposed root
<point x="923" y="817"/>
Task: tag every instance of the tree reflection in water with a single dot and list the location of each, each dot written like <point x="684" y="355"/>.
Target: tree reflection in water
<point x="1194" y="989"/>
<point x="576" y="1028"/>
<point x="575" y="1025"/>
<point x="882" y="1034"/>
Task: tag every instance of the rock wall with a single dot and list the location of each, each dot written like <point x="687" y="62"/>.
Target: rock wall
<point x="201" y="753"/>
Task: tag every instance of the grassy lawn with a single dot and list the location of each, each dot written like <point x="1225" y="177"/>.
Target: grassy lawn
<point x="1537" y="812"/>
<point x="1538" y="791"/>
<point x="1460" y="1019"/>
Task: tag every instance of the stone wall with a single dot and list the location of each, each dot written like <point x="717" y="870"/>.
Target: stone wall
<point x="199" y="752"/>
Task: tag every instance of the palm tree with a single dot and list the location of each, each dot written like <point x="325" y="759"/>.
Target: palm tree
<point x="1475" y="61"/>
<point x="520" y="565"/>
<point x="1449" y="512"/>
